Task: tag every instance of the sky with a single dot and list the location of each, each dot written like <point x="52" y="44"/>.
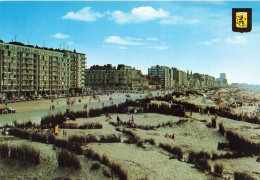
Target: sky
<point x="193" y="36"/>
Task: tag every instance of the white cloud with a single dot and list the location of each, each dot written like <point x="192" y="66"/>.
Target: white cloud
<point x="194" y="21"/>
<point x="140" y="14"/>
<point x="152" y="39"/>
<point x="84" y="14"/>
<point x="158" y="47"/>
<point x="237" y="40"/>
<point x="60" y="36"/>
<point x="178" y="20"/>
<point x="122" y="47"/>
<point x="210" y="42"/>
<point x="123" y="41"/>
<point x="205" y="43"/>
<point x="215" y="40"/>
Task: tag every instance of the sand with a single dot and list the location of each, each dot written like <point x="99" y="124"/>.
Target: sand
<point x="151" y="162"/>
<point x="45" y="104"/>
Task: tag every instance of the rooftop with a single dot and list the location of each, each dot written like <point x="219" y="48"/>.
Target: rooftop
<point x="43" y="48"/>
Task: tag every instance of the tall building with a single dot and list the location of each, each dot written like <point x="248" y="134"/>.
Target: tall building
<point x="222" y="75"/>
<point x="222" y="81"/>
<point x="32" y="70"/>
<point x="165" y="73"/>
<point x="180" y="77"/>
<point x="177" y="76"/>
<point x="110" y="77"/>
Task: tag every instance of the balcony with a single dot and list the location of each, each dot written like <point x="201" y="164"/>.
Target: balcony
<point x="30" y="62"/>
<point x="30" y="67"/>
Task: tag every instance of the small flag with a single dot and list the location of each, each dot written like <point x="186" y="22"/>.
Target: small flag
<point x="241" y="19"/>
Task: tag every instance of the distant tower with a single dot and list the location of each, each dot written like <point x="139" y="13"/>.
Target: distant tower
<point x="191" y="72"/>
<point x="188" y="72"/>
<point x="222" y="75"/>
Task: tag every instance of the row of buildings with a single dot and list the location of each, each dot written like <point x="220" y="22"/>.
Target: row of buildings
<point x="175" y="78"/>
<point x="31" y="70"/>
<point x="111" y="77"/>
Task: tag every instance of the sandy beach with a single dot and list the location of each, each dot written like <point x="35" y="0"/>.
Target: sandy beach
<point x="145" y="159"/>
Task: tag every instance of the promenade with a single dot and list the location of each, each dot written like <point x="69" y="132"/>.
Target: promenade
<point x="34" y="110"/>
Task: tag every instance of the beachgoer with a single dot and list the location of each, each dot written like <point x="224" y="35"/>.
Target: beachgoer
<point x="258" y="159"/>
<point x="132" y="118"/>
<point x="166" y="135"/>
<point x="53" y="107"/>
<point x="118" y="120"/>
<point x="132" y="123"/>
<point x="173" y="136"/>
<point x="50" y="107"/>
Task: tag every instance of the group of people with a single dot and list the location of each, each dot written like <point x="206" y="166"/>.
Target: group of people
<point x="130" y="122"/>
<point x="69" y="102"/>
<point x="4" y="132"/>
<point x="64" y="133"/>
<point x="170" y="136"/>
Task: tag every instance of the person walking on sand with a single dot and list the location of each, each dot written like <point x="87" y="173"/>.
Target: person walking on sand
<point x="50" y="107"/>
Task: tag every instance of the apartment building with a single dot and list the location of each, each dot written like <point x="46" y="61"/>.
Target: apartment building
<point x="32" y="70"/>
<point x="165" y="73"/>
<point x="110" y="77"/>
<point x="222" y="81"/>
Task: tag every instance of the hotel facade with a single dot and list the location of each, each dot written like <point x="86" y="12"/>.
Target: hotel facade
<point x="31" y="70"/>
<point x="111" y="77"/>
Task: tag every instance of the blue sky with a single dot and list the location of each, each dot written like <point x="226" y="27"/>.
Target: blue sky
<point x="193" y="36"/>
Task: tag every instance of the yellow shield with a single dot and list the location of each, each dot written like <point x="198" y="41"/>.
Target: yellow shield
<point x="241" y="19"/>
